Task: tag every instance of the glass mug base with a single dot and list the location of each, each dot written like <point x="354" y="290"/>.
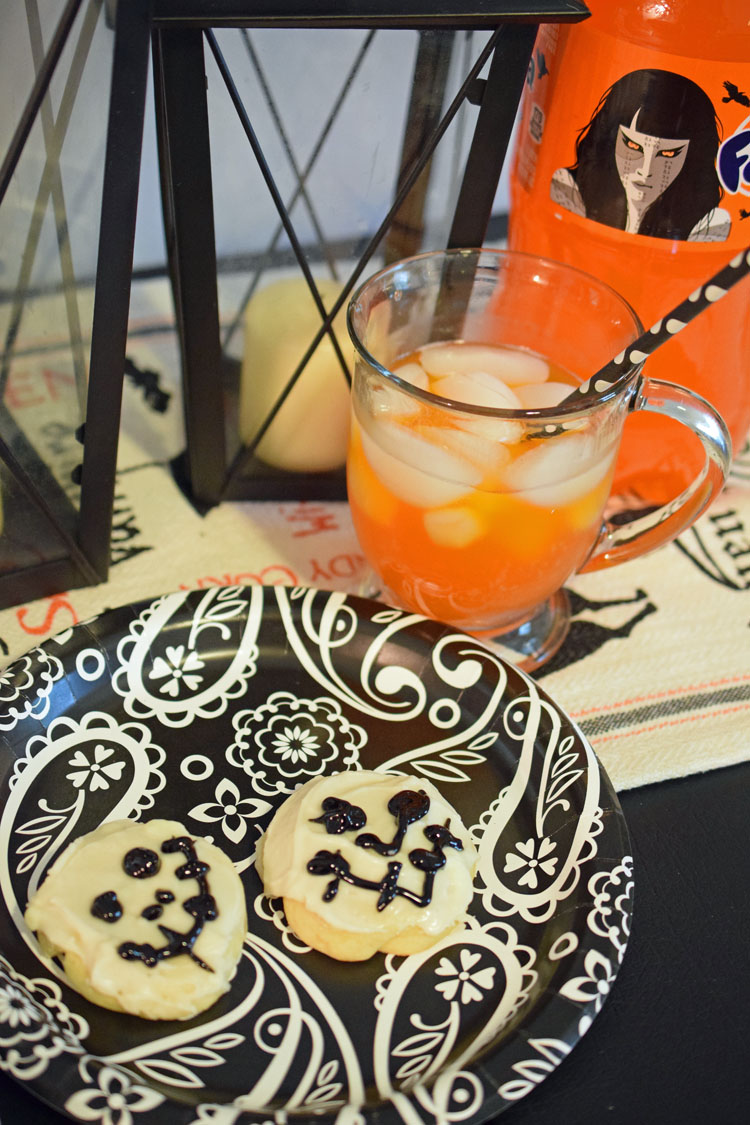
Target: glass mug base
<point x="535" y="640"/>
<point x="527" y="644"/>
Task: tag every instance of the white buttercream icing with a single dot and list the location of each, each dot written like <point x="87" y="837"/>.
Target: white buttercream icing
<point x="174" y="988"/>
<point x="294" y="837"/>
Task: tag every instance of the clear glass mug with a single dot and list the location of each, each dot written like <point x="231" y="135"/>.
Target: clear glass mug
<point x="473" y="499"/>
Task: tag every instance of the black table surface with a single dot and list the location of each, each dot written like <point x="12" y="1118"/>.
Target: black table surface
<point x="672" y="1042"/>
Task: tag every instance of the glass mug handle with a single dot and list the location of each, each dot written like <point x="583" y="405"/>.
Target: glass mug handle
<point x="618" y="544"/>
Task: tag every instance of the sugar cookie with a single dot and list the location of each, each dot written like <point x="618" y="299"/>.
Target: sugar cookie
<point x="145" y="918"/>
<point x="368" y="862"/>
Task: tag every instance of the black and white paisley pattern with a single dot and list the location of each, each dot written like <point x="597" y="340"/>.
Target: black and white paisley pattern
<point x="177" y="681"/>
<point x="26" y="687"/>
<point x="210" y="707"/>
<point x="287" y="740"/>
<point x="36" y="1026"/>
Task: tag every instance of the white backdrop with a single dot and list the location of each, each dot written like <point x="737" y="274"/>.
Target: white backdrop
<point x="350" y="184"/>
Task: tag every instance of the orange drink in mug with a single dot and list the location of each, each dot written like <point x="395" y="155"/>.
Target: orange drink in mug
<point x="475" y="489"/>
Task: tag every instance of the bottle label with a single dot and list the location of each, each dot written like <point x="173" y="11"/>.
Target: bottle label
<point x="644" y="142"/>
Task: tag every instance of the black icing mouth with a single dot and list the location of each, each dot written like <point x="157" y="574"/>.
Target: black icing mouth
<point x="407" y="807"/>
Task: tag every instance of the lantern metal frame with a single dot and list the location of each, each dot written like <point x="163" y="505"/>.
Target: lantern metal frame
<point x="182" y="30"/>
<point x="84" y="531"/>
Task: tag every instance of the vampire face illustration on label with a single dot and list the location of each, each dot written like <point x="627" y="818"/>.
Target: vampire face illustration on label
<point x="646" y="161"/>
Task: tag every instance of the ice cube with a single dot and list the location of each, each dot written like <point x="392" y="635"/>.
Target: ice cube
<point x="538" y="396"/>
<point x="478" y="389"/>
<point x="413" y="373"/>
<point x="387" y="400"/>
<point x="481" y="389"/>
<point x="453" y="527"/>
<point x="496" y="430"/>
<point x="558" y="470"/>
<point x="416" y="470"/>
<point x="511" y="365"/>
<point x="489" y="456"/>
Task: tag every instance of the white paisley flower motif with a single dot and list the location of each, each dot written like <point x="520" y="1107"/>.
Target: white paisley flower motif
<point x="114" y="1101"/>
<point x="17" y="1009"/>
<point x="295" y="744"/>
<point x="16" y="678"/>
<point x="287" y="738"/>
<point x="595" y="985"/>
<point x="532" y="860"/>
<point x="472" y="985"/>
<point x="180" y="668"/>
<point x="230" y="810"/>
<point x="94" y="773"/>
<point x="35" y="1025"/>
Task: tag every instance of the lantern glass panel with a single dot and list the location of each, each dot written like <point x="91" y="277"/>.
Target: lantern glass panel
<point x="337" y="140"/>
<point x="49" y="230"/>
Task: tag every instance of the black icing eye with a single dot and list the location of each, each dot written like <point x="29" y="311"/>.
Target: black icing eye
<point x="409" y="806"/>
<point x="192" y="869"/>
<point x="340" y="816"/>
<point x="141" y="863"/>
<point x="164" y="896"/>
<point x="440" y="836"/>
<point x="202" y="906"/>
<point x="107" y="907"/>
<point x="152" y="912"/>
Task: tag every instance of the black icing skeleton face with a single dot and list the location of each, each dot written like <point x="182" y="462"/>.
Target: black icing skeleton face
<point x="200" y="906"/>
<point x="407" y="807"/>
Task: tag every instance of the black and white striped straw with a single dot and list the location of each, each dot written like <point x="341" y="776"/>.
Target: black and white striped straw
<point x="665" y="328"/>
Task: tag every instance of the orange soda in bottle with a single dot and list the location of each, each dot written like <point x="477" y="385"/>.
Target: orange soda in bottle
<point x="632" y="162"/>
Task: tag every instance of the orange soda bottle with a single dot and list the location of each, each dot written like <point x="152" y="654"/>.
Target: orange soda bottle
<point x="632" y="162"/>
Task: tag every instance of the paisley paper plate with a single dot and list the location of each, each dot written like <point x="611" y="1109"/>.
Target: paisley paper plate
<point x="210" y="707"/>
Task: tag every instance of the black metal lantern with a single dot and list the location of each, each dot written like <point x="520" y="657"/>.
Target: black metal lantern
<point x="67" y="223"/>
<point x="209" y="62"/>
<point x="68" y="194"/>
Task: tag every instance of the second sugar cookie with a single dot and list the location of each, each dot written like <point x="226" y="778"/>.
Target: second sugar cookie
<point x="368" y="862"/>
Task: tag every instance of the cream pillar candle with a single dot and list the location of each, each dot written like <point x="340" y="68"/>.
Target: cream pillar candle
<point x="310" y="431"/>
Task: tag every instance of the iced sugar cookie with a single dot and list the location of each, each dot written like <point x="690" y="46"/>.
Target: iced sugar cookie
<point x="368" y="862"/>
<point x="145" y="918"/>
